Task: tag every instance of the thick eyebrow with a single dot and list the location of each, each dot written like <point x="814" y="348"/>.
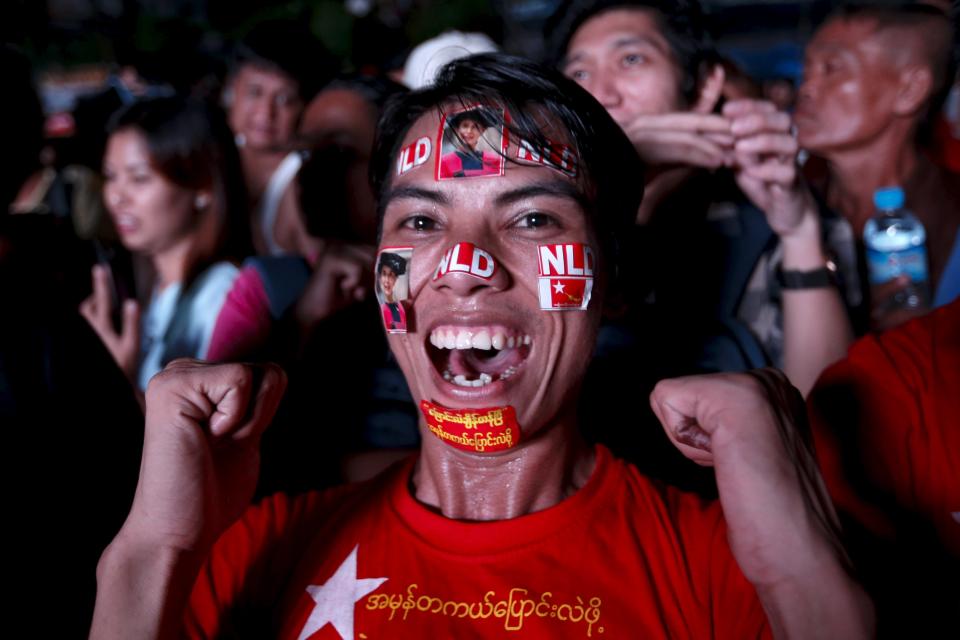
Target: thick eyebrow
<point x="552" y="188"/>
<point x="414" y="193"/>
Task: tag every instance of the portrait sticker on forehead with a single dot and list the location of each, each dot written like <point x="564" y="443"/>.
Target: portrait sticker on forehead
<point x="472" y="143"/>
<point x="476" y="430"/>
<point x="556" y="155"/>
<point x="565" y="279"/>
<point x="393" y="287"/>
<point x="466" y="257"/>
<point x="414" y="155"/>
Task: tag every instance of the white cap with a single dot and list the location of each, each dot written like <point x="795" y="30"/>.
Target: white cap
<point x="428" y="57"/>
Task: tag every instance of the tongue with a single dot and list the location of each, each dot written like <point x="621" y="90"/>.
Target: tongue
<point x="470" y="364"/>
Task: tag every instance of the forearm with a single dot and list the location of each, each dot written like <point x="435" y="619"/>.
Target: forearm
<point x="821" y="601"/>
<point x="816" y="328"/>
<point x="142" y="590"/>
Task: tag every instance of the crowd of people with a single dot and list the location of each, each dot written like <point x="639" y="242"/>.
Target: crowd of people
<point x="450" y="300"/>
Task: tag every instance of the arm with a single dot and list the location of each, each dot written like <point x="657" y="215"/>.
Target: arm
<point x="197" y="475"/>
<point x="780" y="523"/>
<point x="816" y="328"/>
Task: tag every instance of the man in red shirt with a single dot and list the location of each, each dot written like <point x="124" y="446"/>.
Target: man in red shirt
<point x="505" y="521"/>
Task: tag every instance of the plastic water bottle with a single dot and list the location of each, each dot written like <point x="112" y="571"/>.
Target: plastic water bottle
<point x="896" y="245"/>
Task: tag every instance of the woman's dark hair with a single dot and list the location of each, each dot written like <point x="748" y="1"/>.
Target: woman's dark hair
<point x="191" y="145"/>
<point x="533" y="96"/>
<point x="681" y="24"/>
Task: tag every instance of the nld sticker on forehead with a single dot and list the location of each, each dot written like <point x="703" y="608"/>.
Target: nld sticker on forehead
<point x="566" y="274"/>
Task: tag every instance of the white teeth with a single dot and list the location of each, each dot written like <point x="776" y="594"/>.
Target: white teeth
<point x="481" y="340"/>
<point x="461" y="381"/>
<point x="447" y="376"/>
<point x="508" y="373"/>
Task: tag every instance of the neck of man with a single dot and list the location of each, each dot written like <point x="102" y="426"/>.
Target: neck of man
<point x="888" y="160"/>
<point x="536" y="475"/>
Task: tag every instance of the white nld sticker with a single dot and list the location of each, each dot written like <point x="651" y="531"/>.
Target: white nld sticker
<point x="556" y="156"/>
<point x="465" y="257"/>
<point x="566" y="276"/>
<point x="414" y="155"/>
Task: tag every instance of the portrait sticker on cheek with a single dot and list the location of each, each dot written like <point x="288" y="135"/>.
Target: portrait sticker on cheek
<point x="393" y="287"/>
<point x="476" y="430"/>
<point x="557" y="156"/>
<point x="465" y="257"/>
<point x="472" y="143"/>
<point x="565" y="276"/>
<point x="414" y="155"/>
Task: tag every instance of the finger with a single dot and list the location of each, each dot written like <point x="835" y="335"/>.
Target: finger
<point x="103" y="305"/>
<point x="130" y="328"/>
<point x="720" y="139"/>
<point x="88" y="309"/>
<point x="768" y="143"/>
<point x="886" y="289"/>
<point x="770" y="171"/>
<point x="676" y="409"/>
<point x="737" y="108"/>
<point x="754" y="123"/>
<point x="681" y="147"/>
<point x="230" y="392"/>
<point x="683" y="121"/>
<point x="270" y="382"/>
<point x="710" y="90"/>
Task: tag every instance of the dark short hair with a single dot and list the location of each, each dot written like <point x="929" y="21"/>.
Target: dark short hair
<point x="941" y="53"/>
<point x="288" y="47"/>
<point x="609" y="168"/>
<point x="191" y="145"/>
<point x="681" y="24"/>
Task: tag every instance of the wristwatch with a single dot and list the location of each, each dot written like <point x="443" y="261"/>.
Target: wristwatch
<point x="825" y="276"/>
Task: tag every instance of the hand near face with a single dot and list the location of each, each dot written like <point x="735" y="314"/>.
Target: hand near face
<point x="764" y="162"/>
<point x="751" y="429"/>
<point x="201" y="451"/>
<point x="340" y="278"/>
<point x="97" y="309"/>
<point x="681" y="138"/>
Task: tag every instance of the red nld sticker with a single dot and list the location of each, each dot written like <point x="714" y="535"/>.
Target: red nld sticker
<point x="566" y="276"/>
<point x="414" y="155"/>
<point x="465" y="257"/>
<point x="557" y="156"/>
<point x="477" y="430"/>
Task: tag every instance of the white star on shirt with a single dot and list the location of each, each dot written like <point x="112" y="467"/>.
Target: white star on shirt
<point x="558" y="287"/>
<point x="336" y="599"/>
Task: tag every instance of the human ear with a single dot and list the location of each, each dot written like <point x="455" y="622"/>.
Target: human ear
<point x="913" y="90"/>
<point x="711" y="88"/>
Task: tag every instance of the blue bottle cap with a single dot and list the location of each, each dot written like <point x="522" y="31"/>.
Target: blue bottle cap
<point x="888" y="198"/>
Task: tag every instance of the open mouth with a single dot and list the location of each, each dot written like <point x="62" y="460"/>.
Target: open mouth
<point x="477" y="356"/>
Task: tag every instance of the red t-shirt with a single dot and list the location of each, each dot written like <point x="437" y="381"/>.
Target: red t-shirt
<point x="886" y="423"/>
<point x="621" y="558"/>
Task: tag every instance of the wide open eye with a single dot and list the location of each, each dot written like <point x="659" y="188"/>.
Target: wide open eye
<point x="536" y="220"/>
<point x="420" y="223"/>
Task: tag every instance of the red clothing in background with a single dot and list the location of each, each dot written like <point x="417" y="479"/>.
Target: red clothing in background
<point x="621" y="558"/>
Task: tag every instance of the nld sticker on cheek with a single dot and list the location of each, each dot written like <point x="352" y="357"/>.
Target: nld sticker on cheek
<point x="565" y="276"/>
<point x="465" y="257"/>
<point x="414" y="155"/>
<point x="477" y="430"/>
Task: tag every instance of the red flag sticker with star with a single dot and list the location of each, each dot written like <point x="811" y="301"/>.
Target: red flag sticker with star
<point x="566" y="276"/>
